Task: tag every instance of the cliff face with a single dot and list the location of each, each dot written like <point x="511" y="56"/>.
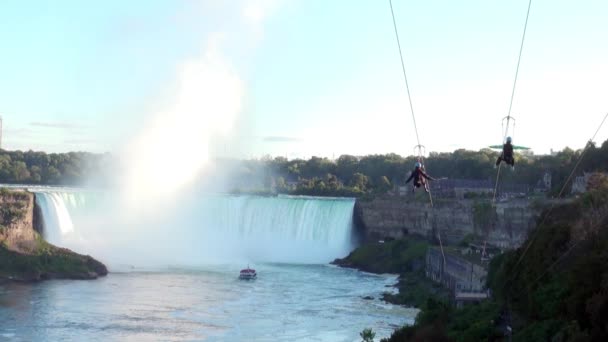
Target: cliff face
<point x="504" y="225"/>
<point x="25" y="256"/>
<point x="16" y="221"/>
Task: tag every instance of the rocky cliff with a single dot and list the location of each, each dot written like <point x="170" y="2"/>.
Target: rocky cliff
<point x="25" y="256"/>
<point x="16" y="221"/>
<point x="504" y="224"/>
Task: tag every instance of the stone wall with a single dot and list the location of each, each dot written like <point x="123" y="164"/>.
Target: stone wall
<point x="504" y="225"/>
<point x="459" y="275"/>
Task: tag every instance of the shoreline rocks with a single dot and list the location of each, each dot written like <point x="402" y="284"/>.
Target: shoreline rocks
<point x="25" y="256"/>
<point x="48" y="263"/>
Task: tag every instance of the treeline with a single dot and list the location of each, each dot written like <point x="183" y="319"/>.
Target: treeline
<point x="553" y="288"/>
<point x="74" y="168"/>
<point x="379" y="173"/>
<point x="346" y="176"/>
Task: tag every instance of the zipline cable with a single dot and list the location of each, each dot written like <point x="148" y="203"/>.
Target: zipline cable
<point x="521" y="48"/>
<point x="409" y="96"/>
<point x="513" y="272"/>
<point x="407" y="87"/>
<point x="562" y="256"/>
<point x="508" y="117"/>
<point x="580" y="158"/>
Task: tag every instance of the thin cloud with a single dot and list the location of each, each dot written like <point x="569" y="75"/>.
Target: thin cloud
<point x="57" y="125"/>
<point x="256" y="11"/>
<point x="281" y="139"/>
<point x="80" y="141"/>
<point x="18" y="131"/>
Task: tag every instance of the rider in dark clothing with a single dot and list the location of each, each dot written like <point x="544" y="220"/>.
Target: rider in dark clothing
<point x="419" y="178"/>
<point x="507" y="154"/>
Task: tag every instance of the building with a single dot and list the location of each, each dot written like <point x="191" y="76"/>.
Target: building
<point x="463" y="273"/>
<point x="463" y="298"/>
<point x="547" y="180"/>
<point x="543" y="184"/>
<point x="463" y="188"/>
<point x="459" y="188"/>
<point x="579" y="185"/>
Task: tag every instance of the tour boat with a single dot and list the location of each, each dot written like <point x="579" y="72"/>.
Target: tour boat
<point x="248" y="273"/>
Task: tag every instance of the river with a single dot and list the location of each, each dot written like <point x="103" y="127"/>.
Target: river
<point x="174" y="275"/>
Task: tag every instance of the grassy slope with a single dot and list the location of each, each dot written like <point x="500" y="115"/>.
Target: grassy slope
<point x="48" y="262"/>
<point x="404" y="257"/>
<point x="33" y="258"/>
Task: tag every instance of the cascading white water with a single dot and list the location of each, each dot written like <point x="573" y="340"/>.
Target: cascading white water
<point x="201" y="228"/>
<point x="59" y="209"/>
<point x="57" y="221"/>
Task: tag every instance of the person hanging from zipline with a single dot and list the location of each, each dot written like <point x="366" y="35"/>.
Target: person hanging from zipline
<point x="420" y="178"/>
<point x="507" y="154"/>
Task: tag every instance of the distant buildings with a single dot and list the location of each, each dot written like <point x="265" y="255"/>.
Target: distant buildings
<point x="464" y="188"/>
<point x="579" y="185"/>
<point x="547" y="180"/>
<point x="461" y="273"/>
<point x="544" y="184"/>
<point x="464" y="273"/>
<point x="458" y="188"/>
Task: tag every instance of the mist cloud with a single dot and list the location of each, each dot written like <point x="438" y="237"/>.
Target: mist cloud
<point x="203" y="104"/>
<point x="279" y="139"/>
<point x="57" y="125"/>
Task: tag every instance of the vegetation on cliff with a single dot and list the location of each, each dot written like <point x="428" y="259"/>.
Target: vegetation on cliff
<point x="553" y="288"/>
<point x="404" y="257"/>
<point x="12" y="207"/>
<point x="34" y="167"/>
<point x="559" y="290"/>
<point x="439" y="321"/>
<point x="348" y="175"/>
<point x="25" y="256"/>
<point x="48" y="262"/>
<point x="358" y="176"/>
<point x="394" y="256"/>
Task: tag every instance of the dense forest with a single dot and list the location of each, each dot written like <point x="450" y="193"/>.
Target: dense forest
<point x="378" y="173"/>
<point x="346" y="176"/>
<point x="74" y="168"/>
<point x="553" y="288"/>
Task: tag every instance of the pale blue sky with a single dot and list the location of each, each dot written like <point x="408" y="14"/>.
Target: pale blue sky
<point x="319" y="77"/>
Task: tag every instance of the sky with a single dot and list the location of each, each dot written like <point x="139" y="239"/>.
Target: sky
<point x="298" y="78"/>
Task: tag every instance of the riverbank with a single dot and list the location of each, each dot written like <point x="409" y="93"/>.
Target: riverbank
<point x="554" y="289"/>
<point x="437" y="319"/>
<point x="405" y="257"/>
<point x="25" y="256"/>
<point x="48" y="262"/>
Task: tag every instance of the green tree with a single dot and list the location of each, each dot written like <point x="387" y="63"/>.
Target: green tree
<point x="280" y="184"/>
<point x="5" y="168"/>
<point x="35" y="174"/>
<point x="20" y="172"/>
<point x="51" y="175"/>
<point x="383" y="184"/>
<point x="367" y="335"/>
<point x="359" y="181"/>
<point x="346" y="166"/>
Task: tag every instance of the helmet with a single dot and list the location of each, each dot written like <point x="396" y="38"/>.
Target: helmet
<point x="508" y="139"/>
<point x="418" y="164"/>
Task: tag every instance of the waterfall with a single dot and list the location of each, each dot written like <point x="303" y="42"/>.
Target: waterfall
<point x="200" y="228"/>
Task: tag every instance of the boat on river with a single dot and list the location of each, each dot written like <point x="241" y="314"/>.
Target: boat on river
<point x="248" y="274"/>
